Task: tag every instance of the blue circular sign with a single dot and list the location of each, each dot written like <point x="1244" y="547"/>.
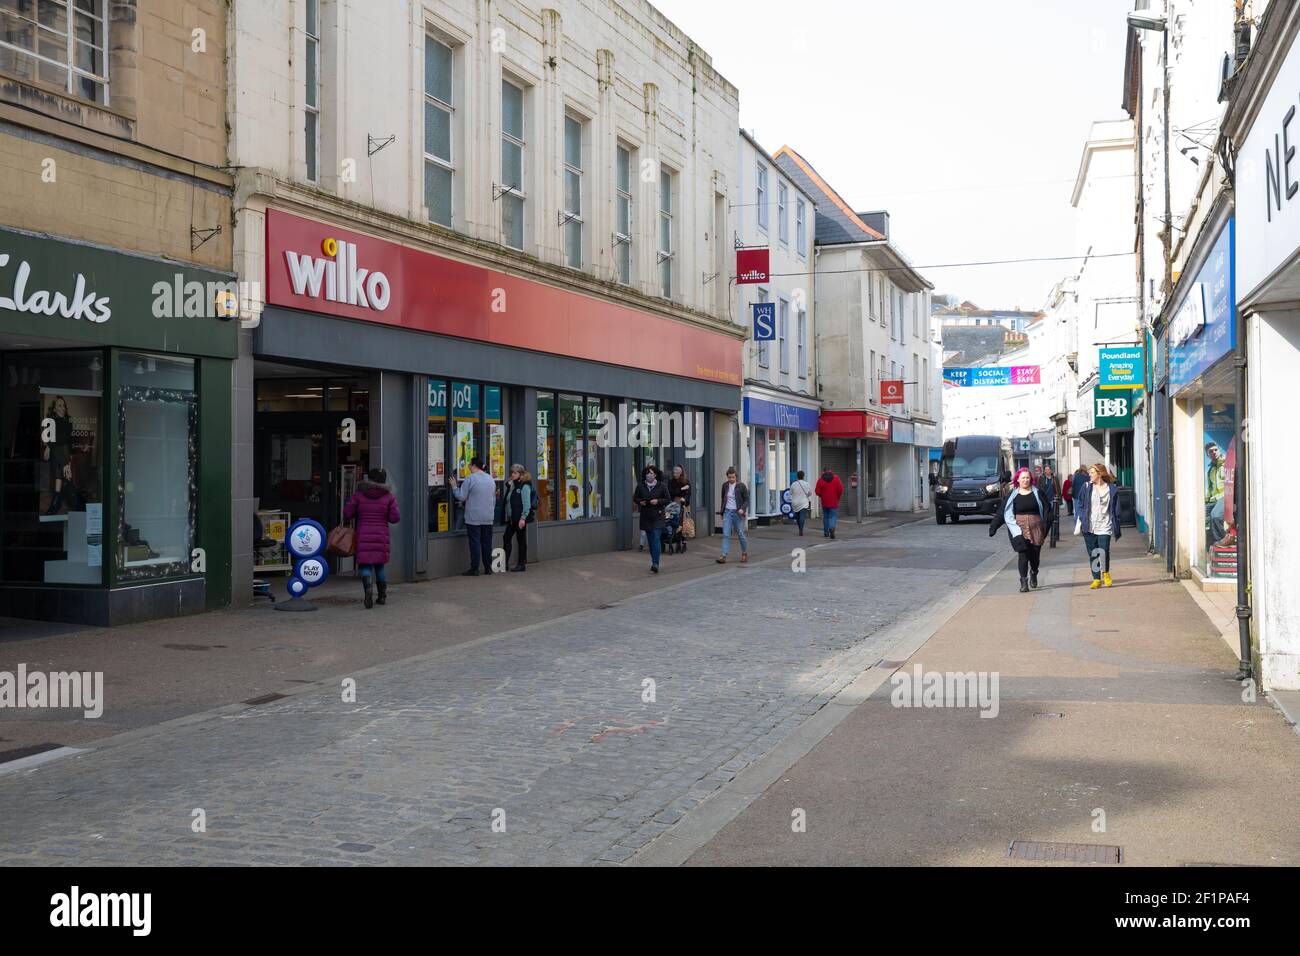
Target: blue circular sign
<point x="312" y="571"/>
<point x="787" y="509"/>
<point x="785" y="496"/>
<point x="297" y="587"/>
<point x="306" y="539"/>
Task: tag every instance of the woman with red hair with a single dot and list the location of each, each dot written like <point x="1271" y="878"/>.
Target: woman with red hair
<point x="1025" y="515"/>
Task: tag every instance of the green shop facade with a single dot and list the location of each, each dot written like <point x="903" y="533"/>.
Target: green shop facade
<point x="115" y="433"/>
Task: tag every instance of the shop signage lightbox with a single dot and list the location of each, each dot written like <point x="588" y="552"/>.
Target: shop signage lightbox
<point x="1193" y="351"/>
<point x="1122" y="367"/>
<point x="1112" y="409"/>
<point x="752" y="266"/>
<point x="424" y="292"/>
<point x="780" y="415"/>
<point x="891" y="392"/>
<point x="764" y="321"/>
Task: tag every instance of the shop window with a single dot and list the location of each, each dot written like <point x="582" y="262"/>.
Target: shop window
<point x="439" y="499"/>
<point x="1219" y="449"/>
<point x="758" y="488"/>
<point x="290" y="395"/>
<point x="156" y="466"/>
<point x="573" y="457"/>
<point x="545" y="470"/>
<point x="53" y="463"/>
<point x="598" y="499"/>
<point x="465" y="422"/>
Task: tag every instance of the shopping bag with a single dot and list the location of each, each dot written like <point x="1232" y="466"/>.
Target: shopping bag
<point x="1078" y="526"/>
<point x="341" y="541"/>
<point x="688" y="528"/>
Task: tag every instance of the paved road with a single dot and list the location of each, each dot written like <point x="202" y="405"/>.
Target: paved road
<point x="544" y="731"/>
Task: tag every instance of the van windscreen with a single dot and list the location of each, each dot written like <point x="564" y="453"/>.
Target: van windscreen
<point x="975" y="466"/>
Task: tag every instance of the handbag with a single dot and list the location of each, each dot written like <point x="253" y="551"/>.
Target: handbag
<point x="688" y="528"/>
<point x="341" y="541"/>
<point x="1078" y="526"/>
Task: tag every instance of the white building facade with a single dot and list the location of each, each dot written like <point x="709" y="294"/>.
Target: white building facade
<point x="478" y="228"/>
<point x="777" y="429"/>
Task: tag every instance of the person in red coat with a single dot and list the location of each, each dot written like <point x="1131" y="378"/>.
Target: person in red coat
<point x="375" y="509"/>
<point x="829" y="488"/>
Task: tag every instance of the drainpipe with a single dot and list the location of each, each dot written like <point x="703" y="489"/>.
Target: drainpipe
<point x="1239" y="512"/>
<point x="1170" y="513"/>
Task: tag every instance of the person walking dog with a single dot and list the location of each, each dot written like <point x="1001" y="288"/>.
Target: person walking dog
<point x="1024" y="514"/>
<point x="515" y="511"/>
<point x="374" y="508"/>
<point x="735" y="506"/>
<point x="478" y="493"/>
<point x="800" y="499"/>
<point x="1098" y="519"/>
<point x="829" y="488"/>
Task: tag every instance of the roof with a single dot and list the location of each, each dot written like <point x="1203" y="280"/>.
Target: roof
<point x="802" y="187"/>
<point x="837" y="223"/>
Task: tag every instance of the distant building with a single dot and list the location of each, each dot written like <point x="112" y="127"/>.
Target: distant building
<point x="967" y="313"/>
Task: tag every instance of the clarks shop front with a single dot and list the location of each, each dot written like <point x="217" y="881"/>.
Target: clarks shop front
<point x="114" y="434"/>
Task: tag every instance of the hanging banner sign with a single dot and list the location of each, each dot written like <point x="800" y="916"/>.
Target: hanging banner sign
<point x="1113" y="410"/>
<point x="991" y="375"/>
<point x="764" y="321"/>
<point x="1122" y="367"/>
<point x="891" y="392"/>
<point x="751" y="266"/>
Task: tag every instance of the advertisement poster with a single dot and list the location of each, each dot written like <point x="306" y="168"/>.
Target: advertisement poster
<point x="1220" y="452"/>
<point x="572" y="455"/>
<point x="437" y="460"/>
<point x="442" y="516"/>
<point x="94" y="534"/>
<point x="543" y="458"/>
<point x="497" y="451"/>
<point x="464" y="447"/>
<point x="69" y="471"/>
<point x="572" y="498"/>
<point x="593" y="483"/>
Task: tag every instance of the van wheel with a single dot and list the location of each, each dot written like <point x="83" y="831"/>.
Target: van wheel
<point x="956" y="518"/>
<point x="938" y="517"/>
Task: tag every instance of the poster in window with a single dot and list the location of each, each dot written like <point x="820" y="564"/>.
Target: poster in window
<point x="69" y="473"/>
<point x="543" y="458"/>
<point x="464" y="447"/>
<point x="437" y="460"/>
<point x="572" y="456"/>
<point x="442" y="516"/>
<point x="593" y="479"/>
<point x="573" y="498"/>
<point x="497" y="451"/>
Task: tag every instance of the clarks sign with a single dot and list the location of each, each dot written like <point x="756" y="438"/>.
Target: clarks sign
<point x="320" y="268"/>
<point x="78" y="304"/>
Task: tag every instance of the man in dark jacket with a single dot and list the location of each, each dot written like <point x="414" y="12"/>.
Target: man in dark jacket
<point x="734" y="511"/>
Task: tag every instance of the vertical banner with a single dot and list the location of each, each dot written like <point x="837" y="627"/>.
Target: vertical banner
<point x="752" y="266"/>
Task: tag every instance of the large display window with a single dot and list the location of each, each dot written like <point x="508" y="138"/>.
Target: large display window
<point x="572" y="468"/>
<point x="1218" y="468"/>
<point x="157" y="465"/>
<point x="53" y="455"/>
<point x="776" y="457"/>
<point x="466" y="420"/>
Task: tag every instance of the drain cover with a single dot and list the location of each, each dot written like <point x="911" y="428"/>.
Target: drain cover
<point x="1063" y="852"/>
<point x="265" y="699"/>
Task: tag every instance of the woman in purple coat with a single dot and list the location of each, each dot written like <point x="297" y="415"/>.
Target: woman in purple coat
<point x="375" y="509"/>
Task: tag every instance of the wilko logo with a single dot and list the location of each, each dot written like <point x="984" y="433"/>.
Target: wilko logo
<point x="343" y="280"/>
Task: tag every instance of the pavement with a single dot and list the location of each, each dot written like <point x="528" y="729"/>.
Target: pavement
<point x="588" y="712"/>
<point x="1119" y="725"/>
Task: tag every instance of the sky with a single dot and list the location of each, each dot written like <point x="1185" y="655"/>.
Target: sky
<point x="965" y="119"/>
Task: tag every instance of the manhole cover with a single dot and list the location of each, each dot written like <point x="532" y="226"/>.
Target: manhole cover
<point x="193" y="647"/>
<point x="1063" y="852"/>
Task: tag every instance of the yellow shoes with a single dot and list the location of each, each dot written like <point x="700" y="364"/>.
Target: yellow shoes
<point x="1094" y="585"/>
<point x="1105" y="578"/>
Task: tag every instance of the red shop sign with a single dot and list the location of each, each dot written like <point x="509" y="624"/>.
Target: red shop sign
<point x="320" y="268"/>
<point x="891" y="392"/>
<point x="751" y="266"/>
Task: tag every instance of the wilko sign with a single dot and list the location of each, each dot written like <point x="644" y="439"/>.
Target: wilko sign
<point x="321" y="268"/>
<point x="891" y="392"/>
<point x="337" y="277"/>
<point x="752" y="266"/>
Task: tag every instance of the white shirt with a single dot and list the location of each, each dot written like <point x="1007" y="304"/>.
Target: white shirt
<point x="800" y="495"/>
<point x="731" y="497"/>
<point x="1099" y="509"/>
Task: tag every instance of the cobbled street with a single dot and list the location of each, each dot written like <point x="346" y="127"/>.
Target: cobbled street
<point x="544" y="745"/>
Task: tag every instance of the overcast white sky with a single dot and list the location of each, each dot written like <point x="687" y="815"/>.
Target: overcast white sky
<point x="906" y="105"/>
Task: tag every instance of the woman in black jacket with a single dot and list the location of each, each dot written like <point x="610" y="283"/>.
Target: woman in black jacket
<point x="651" y="497"/>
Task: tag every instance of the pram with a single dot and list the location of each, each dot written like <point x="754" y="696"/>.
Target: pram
<point x="673" y="539"/>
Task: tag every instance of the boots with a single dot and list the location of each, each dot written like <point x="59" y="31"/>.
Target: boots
<point x="520" y="567"/>
<point x="370" y="591"/>
<point x="1024" y="585"/>
<point x="56" y="503"/>
<point x="1033" y="579"/>
<point x="382" y="598"/>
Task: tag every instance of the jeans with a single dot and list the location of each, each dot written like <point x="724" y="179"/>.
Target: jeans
<point x="828" y="519"/>
<point x="655" y="537"/>
<point x="800" y="517"/>
<point x="512" y="532"/>
<point x="1095" y="542"/>
<point x="377" y="570"/>
<point x="731" y="520"/>
<point x="480" y="545"/>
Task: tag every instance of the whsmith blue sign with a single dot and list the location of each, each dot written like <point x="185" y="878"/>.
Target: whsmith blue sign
<point x="764" y="321"/>
<point x="777" y="415"/>
<point x="1205" y="328"/>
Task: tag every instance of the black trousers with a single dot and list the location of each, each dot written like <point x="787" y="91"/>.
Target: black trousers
<point x="1029" y="558"/>
<point x="513" y="533"/>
